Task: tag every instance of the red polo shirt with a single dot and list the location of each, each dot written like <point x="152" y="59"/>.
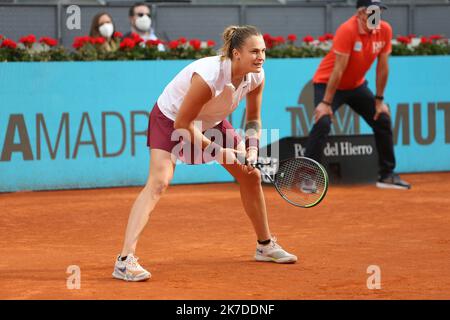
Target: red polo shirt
<point x="362" y="47"/>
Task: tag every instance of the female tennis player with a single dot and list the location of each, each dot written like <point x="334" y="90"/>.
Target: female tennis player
<point x="184" y="124"/>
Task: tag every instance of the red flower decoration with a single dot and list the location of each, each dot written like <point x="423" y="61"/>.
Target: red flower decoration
<point x="329" y="36"/>
<point x="280" y="40"/>
<point x="182" y="40"/>
<point x="8" y="43"/>
<point x="117" y="34"/>
<point x="136" y="38"/>
<point x="48" y="41"/>
<point x="97" y="40"/>
<point x="268" y="39"/>
<point x="211" y="43"/>
<point x="173" y="44"/>
<point x="435" y="37"/>
<point x="292" y="37"/>
<point x="28" y="40"/>
<point x="308" y="39"/>
<point x="127" y="43"/>
<point x="196" y="44"/>
<point x="425" y="40"/>
<point x="405" y="40"/>
<point x="79" y="42"/>
<point x="322" y="38"/>
<point x="153" y="43"/>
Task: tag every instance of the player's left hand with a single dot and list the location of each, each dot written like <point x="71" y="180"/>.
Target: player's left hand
<point x="251" y="158"/>
<point x="381" y="107"/>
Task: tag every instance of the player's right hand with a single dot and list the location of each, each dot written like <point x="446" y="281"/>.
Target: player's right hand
<point x="321" y="110"/>
<point x="251" y="158"/>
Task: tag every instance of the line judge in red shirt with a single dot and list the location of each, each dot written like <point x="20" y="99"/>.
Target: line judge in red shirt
<point x="340" y="79"/>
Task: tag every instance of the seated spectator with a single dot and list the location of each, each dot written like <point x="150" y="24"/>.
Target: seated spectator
<point x="141" y="23"/>
<point x="103" y="26"/>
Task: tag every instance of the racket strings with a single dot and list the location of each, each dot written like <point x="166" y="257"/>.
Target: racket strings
<point x="302" y="181"/>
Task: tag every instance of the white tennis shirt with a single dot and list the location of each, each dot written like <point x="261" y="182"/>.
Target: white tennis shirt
<point x="217" y="74"/>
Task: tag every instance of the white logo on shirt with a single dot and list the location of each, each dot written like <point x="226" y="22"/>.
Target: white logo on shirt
<point x="377" y="46"/>
<point x="358" y="46"/>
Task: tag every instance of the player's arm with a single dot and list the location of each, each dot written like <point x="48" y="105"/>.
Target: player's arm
<point x="382" y="78"/>
<point x="324" y="107"/>
<point x="197" y="96"/>
<point x="253" y="123"/>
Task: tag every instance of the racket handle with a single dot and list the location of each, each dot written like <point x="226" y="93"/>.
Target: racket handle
<point x="258" y="165"/>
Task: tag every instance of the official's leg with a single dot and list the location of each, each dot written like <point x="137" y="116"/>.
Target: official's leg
<point x="321" y="129"/>
<point x="362" y="101"/>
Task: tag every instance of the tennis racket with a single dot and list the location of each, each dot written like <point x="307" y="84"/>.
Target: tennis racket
<point x="303" y="182"/>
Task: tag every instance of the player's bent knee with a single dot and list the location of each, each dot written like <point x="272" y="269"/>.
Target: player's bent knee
<point x="324" y="124"/>
<point x="252" y="179"/>
<point x="157" y="187"/>
<point x="256" y="176"/>
<point x="384" y="122"/>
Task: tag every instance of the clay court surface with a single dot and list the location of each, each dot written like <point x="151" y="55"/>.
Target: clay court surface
<point x="199" y="244"/>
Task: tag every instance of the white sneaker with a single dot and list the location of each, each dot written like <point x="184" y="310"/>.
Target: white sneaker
<point x="273" y="253"/>
<point x="130" y="269"/>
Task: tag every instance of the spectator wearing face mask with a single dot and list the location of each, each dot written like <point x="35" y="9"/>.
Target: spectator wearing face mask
<point x="103" y="26"/>
<point x="141" y="23"/>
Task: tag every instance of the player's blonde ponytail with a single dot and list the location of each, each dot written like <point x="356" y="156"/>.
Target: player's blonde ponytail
<point x="234" y="37"/>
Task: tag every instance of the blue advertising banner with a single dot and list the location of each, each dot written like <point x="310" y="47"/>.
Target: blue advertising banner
<point x="83" y="124"/>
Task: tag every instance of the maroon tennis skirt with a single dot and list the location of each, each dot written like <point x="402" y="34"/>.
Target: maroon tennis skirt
<point x="161" y="128"/>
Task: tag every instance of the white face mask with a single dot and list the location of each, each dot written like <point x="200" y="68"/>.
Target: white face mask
<point x="143" y="23"/>
<point x="106" y="30"/>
